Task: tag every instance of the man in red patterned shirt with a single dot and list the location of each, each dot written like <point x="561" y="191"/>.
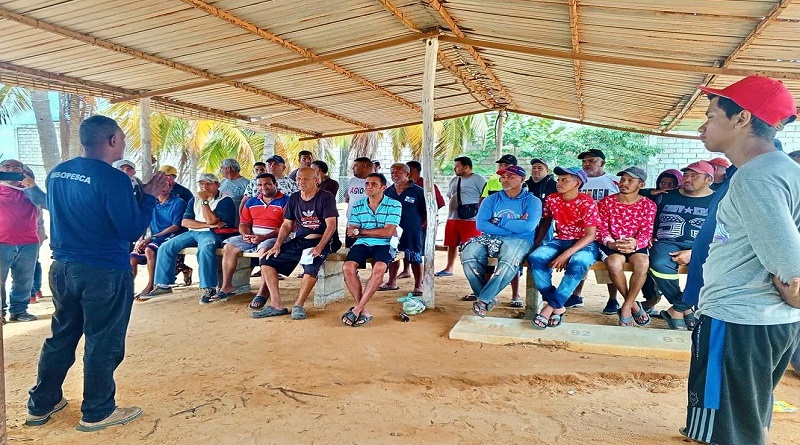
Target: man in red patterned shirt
<point x="624" y="233"/>
<point x="572" y="249"/>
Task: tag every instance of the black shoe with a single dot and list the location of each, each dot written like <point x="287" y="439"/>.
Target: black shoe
<point x="22" y="316"/>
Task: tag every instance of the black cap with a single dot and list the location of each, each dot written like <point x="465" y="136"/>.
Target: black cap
<point x="507" y="159"/>
<point x="538" y="161"/>
<point x="595" y="153"/>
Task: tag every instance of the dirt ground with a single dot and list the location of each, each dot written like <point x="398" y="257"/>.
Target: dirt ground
<point x="213" y="374"/>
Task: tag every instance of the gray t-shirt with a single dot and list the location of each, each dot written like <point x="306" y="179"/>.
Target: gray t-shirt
<point x="757" y="234"/>
<point x="471" y="189"/>
<point x="234" y="188"/>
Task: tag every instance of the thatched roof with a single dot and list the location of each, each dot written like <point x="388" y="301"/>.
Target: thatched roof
<point x="326" y="67"/>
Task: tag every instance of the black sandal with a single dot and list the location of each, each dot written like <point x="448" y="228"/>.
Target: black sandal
<point x="349" y="318"/>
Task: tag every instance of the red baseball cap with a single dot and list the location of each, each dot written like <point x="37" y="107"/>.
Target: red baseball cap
<point x="700" y="167"/>
<point x="720" y="162"/>
<point x="767" y="99"/>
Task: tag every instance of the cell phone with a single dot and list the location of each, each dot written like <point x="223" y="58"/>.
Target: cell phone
<point x="8" y="176"/>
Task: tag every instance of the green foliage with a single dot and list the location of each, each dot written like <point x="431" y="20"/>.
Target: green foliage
<point x="559" y="144"/>
<point x="14" y="101"/>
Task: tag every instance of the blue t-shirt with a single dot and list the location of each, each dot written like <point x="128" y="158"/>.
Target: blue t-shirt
<point x="414" y="213"/>
<point x="94" y="215"/>
<point x="167" y="214"/>
<point x="388" y="212"/>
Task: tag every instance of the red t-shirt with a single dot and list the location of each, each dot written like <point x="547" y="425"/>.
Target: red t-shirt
<point x="571" y="217"/>
<point x="18" y="217"/>
<point x="264" y="217"/>
<point x="620" y="220"/>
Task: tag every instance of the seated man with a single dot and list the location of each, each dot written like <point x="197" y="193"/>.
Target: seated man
<point x="164" y="225"/>
<point x="572" y="248"/>
<point x="261" y="217"/>
<point x="508" y="220"/>
<point x="311" y="215"/>
<point x="625" y="231"/>
<point x="210" y="218"/>
<point x="412" y="199"/>
<point x="680" y="215"/>
<point x="373" y="222"/>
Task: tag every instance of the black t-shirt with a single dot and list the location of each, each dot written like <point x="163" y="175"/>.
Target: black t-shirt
<point x="414" y="212"/>
<point x="182" y="192"/>
<point x="542" y="188"/>
<point x="679" y="217"/>
<point x="309" y="216"/>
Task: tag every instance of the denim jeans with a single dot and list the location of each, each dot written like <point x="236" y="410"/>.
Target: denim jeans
<point x="89" y="301"/>
<point x="20" y="261"/>
<point x="664" y="273"/>
<point x="206" y="242"/>
<point x="577" y="266"/>
<point x="37" y="279"/>
<point x="475" y="256"/>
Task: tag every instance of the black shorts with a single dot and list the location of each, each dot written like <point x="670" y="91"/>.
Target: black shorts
<point x="734" y="370"/>
<point x="291" y="251"/>
<point x="606" y="252"/>
<point x="360" y="253"/>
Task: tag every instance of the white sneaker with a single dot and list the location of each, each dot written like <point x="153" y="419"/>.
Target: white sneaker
<point x="118" y="417"/>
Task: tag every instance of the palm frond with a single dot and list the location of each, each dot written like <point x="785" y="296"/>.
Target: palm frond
<point x="14" y="101"/>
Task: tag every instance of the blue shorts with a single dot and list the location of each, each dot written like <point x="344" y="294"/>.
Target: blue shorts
<point x="153" y="245"/>
<point x="361" y="253"/>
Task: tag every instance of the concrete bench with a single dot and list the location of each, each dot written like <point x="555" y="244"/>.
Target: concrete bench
<point x="330" y="280"/>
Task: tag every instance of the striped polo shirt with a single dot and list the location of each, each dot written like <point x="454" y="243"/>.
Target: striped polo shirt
<point x="388" y="212"/>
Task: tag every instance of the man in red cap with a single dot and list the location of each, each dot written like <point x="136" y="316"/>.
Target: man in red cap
<point x="748" y="326"/>
<point x="681" y="212"/>
<point x="720" y="165"/>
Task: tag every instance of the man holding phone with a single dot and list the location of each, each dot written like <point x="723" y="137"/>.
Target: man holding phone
<point x="19" y="240"/>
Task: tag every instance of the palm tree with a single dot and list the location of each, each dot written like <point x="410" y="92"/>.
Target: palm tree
<point x="452" y="138"/>
<point x="14" y="101"/>
<point x="40" y="104"/>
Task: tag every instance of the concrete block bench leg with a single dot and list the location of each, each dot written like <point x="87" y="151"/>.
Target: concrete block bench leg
<point x="330" y="283"/>
<point x="533" y="301"/>
<point x="241" y="276"/>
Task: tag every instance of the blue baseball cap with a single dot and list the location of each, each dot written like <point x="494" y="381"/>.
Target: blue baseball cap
<point x="275" y="158"/>
<point x="574" y="171"/>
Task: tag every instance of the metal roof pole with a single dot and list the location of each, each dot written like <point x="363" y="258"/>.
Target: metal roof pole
<point x="428" y="146"/>
<point x="147" y="139"/>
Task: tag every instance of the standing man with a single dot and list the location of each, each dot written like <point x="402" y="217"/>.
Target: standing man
<point x="304" y="158"/>
<point x="541" y="183"/>
<point x="129" y="168"/>
<point x="325" y="182"/>
<point x="311" y="215"/>
<point x="373" y="223"/>
<point x="277" y="166"/>
<point x="210" y="218"/>
<point x="19" y="240"/>
<point x="252" y="187"/>
<point x="720" y="165"/>
<point x="748" y="327"/>
<point x="233" y="184"/>
<point x="598" y="185"/>
<point x="414" y="218"/>
<point x="508" y="220"/>
<point x="464" y="192"/>
<point x="355" y="189"/>
<point x="415" y="174"/>
<point x="91" y="205"/>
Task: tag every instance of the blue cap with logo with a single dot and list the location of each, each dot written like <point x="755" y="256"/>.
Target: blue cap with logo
<point x="574" y="171"/>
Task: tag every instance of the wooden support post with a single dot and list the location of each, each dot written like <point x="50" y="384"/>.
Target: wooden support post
<point x="498" y="132"/>
<point x="146" y="139"/>
<point x="428" y="145"/>
<point x="3" y="430"/>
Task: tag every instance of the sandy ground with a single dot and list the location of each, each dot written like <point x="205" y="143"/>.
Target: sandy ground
<point x="213" y="374"/>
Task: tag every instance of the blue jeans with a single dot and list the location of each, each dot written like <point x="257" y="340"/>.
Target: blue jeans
<point x="577" y="266"/>
<point x="37" y="279"/>
<point x="89" y="301"/>
<point x="474" y="257"/>
<point x="206" y="242"/>
<point x="20" y="260"/>
<point x="796" y="361"/>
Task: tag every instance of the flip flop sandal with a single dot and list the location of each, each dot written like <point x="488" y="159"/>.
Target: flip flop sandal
<point x="690" y="320"/>
<point x="258" y="302"/>
<point x="187" y="276"/>
<point x="481" y="308"/>
<point x="555" y="320"/>
<point x="349" y="318"/>
<point x="443" y="273"/>
<point x="676" y="324"/>
<point x="270" y="311"/>
<point x="626" y="321"/>
<point x="416" y="293"/>
<point x="470" y="297"/>
<point x="641" y="314"/>
<point x="540" y="322"/>
<point x="386" y="288"/>
<point x="362" y="320"/>
<point x="516" y="303"/>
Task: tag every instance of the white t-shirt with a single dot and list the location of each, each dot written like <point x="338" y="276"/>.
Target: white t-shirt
<point x="354" y="192"/>
<point x="601" y="186"/>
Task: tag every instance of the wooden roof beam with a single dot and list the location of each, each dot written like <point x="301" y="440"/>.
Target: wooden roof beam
<point x="623" y="61"/>
<point x="574" y="28"/>
<point x="261" y="32"/>
<point x="476" y="90"/>
<point x="505" y="98"/>
<point x="116" y="91"/>
<point x="388" y="127"/>
<point x="86" y="38"/>
<point x="743" y="45"/>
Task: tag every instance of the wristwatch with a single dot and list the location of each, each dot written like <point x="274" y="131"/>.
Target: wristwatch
<point x="356" y="231"/>
<point x="205" y="202"/>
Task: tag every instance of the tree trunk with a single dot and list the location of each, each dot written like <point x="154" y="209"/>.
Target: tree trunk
<point x="76" y="116"/>
<point x="63" y="124"/>
<point x="40" y="103"/>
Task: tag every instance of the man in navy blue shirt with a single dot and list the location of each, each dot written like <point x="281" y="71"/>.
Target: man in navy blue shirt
<point x="94" y="218"/>
<point x="211" y="218"/>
